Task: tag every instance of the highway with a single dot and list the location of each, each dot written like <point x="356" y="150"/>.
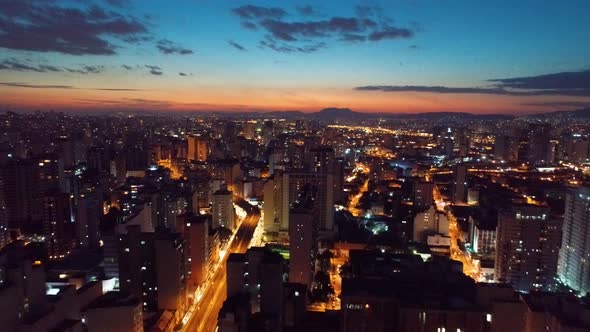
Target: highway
<point x="204" y="317"/>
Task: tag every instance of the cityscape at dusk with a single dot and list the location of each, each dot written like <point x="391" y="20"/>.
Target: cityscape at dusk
<point x="277" y="166"/>
<point x="405" y="56"/>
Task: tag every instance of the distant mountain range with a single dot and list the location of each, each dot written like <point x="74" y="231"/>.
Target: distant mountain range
<point x="346" y="114"/>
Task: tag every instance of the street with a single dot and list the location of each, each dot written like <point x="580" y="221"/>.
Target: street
<point x="204" y="318"/>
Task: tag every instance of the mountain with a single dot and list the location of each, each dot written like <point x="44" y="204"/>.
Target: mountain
<point x="577" y="114"/>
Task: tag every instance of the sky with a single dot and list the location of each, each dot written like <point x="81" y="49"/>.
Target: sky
<point x="403" y="56"/>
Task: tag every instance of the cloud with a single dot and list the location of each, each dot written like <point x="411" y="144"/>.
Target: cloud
<point x="236" y="45"/>
<point x="249" y="25"/>
<point x="557" y="84"/>
<point x="391" y="33"/>
<point x="87" y="70"/>
<point x="154" y="70"/>
<point x="44" y="26"/>
<point x="118" y="3"/>
<point x="50" y="86"/>
<point x="166" y="46"/>
<point x="414" y="47"/>
<point x="17" y="65"/>
<point x="560" y="104"/>
<point x="284" y="33"/>
<point x="14" y="64"/>
<point x="256" y="12"/>
<point x="306" y="10"/>
<point x="185" y="74"/>
<point x="475" y="90"/>
<point x="557" y="81"/>
<point x="127" y="67"/>
<point x="36" y="86"/>
<point x="286" y="48"/>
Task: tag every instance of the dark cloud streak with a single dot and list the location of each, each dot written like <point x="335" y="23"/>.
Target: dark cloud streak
<point x="285" y="34"/>
<point x="236" y="45"/>
<point x="43" y="26"/>
<point x="166" y="46"/>
<point x="556" y="84"/>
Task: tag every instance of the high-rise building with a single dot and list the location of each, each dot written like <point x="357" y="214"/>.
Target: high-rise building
<point x="541" y="150"/>
<point x="506" y="148"/>
<point x="171" y="272"/>
<point x="527" y="247"/>
<point x="423" y="194"/>
<point x="223" y="209"/>
<point x="249" y="129"/>
<point x="88" y="211"/>
<point x="302" y="237"/>
<point x="282" y="190"/>
<point x="58" y="225"/>
<point x="574" y="255"/>
<point x="198" y="148"/>
<point x="20" y="189"/>
<point x="430" y="222"/>
<point x="258" y="272"/>
<point x="196" y="234"/>
<point x="152" y="268"/>
<point x="460" y="185"/>
<point x="115" y="312"/>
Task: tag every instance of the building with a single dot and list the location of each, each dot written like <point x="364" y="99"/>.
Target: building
<point x="483" y="235"/>
<point x="388" y="291"/>
<point x="460" y="185"/>
<point x="281" y="190"/>
<point x="88" y="211"/>
<point x="423" y="194"/>
<point x="258" y="272"/>
<point x="302" y="237"/>
<point x="574" y="256"/>
<point x="171" y="278"/>
<point x="114" y="312"/>
<point x="58" y="225"/>
<point x="527" y="247"/>
<point x="196" y="235"/>
<point x="505" y="148"/>
<point x="430" y="222"/>
<point x="222" y="209"/>
<point x="198" y="148"/>
<point x="152" y="268"/>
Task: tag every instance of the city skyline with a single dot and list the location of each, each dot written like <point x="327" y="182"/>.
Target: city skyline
<point x="400" y="57"/>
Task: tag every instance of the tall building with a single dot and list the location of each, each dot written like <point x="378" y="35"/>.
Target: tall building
<point x="323" y="160"/>
<point x="506" y="148"/>
<point x="430" y="222"/>
<point x="88" y="212"/>
<point x="460" y="185"/>
<point x="276" y="204"/>
<point x="249" y="129"/>
<point x="541" y="150"/>
<point x="223" y="209"/>
<point x="58" y="225"/>
<point x="115" y="312"/>
<point x="171" y="272"/>
<point x="18" y="182"/>
<point x="423" y="194"/>
<point x="302" y="237"/>
<point x="196" y="234"/>
<point x="338" y="180"/>
<point x="259" y="272"/>
<point x="152" y="268"/>
<point x="527" y="247"/>
<point x="282" y="190"/>
<point x="198" y="148"/>
<point x="574" y="255"/>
